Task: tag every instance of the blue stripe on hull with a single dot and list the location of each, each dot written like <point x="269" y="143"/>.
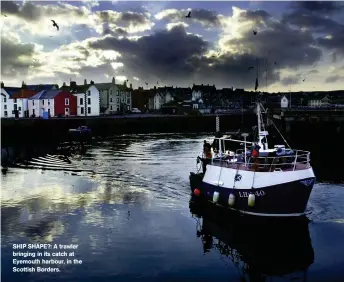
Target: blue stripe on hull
<point x="283" y="199"/>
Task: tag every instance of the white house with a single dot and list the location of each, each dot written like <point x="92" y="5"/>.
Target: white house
<point x="88" y="99"/>
<point x="6" y="105"/>
<point x="40" y="103"/>
<point x="284" y="102"/>
<point x="325" y="101"/>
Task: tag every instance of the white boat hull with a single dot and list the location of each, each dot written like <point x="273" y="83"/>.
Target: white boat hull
<point x="279" y="193"/>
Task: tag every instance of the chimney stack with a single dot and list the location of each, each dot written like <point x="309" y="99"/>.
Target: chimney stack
<point x="92" y="82"/>
<point x="113" y="81"/>
<point x="85" y="82"/>
<point x="72" y="84"/>
<point x="2" y="84"/>
<point x="131" y="86"/>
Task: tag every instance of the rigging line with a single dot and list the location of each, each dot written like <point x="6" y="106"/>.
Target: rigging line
<point x="280" y="134"/>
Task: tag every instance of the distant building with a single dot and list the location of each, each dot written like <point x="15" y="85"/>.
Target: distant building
<point x="321" y="101"/>
<point x="284" y="102"/>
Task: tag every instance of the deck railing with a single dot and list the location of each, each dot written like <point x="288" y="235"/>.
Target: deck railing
<point x="299" y="160"/>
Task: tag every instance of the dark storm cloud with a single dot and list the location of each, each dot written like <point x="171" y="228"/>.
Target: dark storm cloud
<point x="176" y="57"/>
<point x="286" y="46"/>
<point x="336" y="42"/>
<point x="205" y="17"/>
<point x="124" y="18"/>
<point x="164" y="52"/>
<point x="314" y="16"/>
<point x="313" y="22"/>
<point x="320" y="7"/>
<point x="9" y="7"/>
<point x="34" y="12"/>
<point x="334" y="78"/>
<point x="286" y="81"/>
<point x="257" y="15"/>
<point x="16" y="58"/>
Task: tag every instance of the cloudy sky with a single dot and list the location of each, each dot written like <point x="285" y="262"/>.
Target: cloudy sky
<point x="298" y="45"/>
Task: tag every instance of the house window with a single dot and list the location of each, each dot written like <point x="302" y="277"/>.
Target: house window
<point x="82" y="110"/>
<point x="89" y="101"/>
<point x="81" y="101"/>
<point x="88" y="110"/>
<point x="111" y="100"/>
<point x="15" y="107"/>
<point x="111" y="108"/>
<point x="5" y="113"/>
<point x="42" y="102"/>
<point x="117" y="92"/>
<point x="110" y="92"/>
<point x="89" y="93"/>
<point x="48" y="102"/>
<point x="67" y="101"/>
<point x="19" y="108"/>
<point x="33" y="102"/>
<point x="66" y="111"/>
<point x="5" y="107"/>
<point x="15" y="100"/>
<point x="48" y="112"/>
<point x="128" y="100"/>
<point x="5" y="99"/>
<point x="117" y="100"/>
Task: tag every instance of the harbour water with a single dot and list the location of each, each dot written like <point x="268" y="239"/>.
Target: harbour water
<point x="125" y="203"/>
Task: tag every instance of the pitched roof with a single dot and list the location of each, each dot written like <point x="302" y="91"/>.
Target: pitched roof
<point x="204" y="88"/>
<point x="46" y="94"/>
<point x="80" y="88"/>
<point x="12" y="90"/>
<point x="39" y="87"/>
<point x="23" y="93"/>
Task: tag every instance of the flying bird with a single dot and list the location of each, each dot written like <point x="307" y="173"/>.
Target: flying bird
<point x="304" y="79"/>
<point x="55" y="24"/>
<point x="157" y="82"/>
<point x="275" y="63"/>
<point x="251" y="68"/>
<point x="146" y="83"/>
<point x="4" y="15"/>
<point x="255" y="32"/>
<point x="189" y="15"/>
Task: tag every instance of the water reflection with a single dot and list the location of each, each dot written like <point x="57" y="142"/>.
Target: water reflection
<point x="259" y="248"/>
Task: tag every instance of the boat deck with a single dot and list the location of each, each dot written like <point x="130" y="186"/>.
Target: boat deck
<point x="299" y="161"/>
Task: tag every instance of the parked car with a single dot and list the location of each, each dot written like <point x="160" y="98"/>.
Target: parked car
<point x="135" y="110"/>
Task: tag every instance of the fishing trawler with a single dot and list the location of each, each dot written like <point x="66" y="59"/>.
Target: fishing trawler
<point x="256" y="180"/>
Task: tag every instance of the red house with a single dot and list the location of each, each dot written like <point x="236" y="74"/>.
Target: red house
<point x="65" y="103"/>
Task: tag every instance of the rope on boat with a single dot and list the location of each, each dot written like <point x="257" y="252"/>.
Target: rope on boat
<point x="280" y="133"/>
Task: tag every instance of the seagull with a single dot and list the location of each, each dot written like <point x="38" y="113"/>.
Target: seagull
<point x="157" y="82"/>
<point x="4" y="15"/>
<point x="304" y="79"/>
<point x="55" y="24"/>
<point x="275" y="63"/>
<point x="189" y="15"/>
<point x="146" y="83"/>
<point x="251" y="68"/>
<point x="255" y="32"/>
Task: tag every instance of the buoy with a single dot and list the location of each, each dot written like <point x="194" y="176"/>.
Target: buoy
<point x="251" y="200"/>
<point x="216" y="197"/>
<point x="231" y="199"/>
<point x="197" y="192"/>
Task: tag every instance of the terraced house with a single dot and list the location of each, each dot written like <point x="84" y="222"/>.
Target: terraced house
<point x="88" y="98"/>
<point x="114" y="98"/>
